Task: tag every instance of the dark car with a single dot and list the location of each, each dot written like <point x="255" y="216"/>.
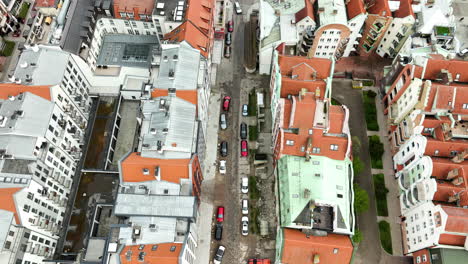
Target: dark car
<point x="228" y="38"/>
<point x="223" y="150"/>
<point x="227" y="52"/>
<point x="219" y="232"/>
<point x="230" y="26"/>
<point x="243" y="131"/>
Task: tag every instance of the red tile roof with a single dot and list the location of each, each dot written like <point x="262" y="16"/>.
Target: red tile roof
<point x="193" y="35"/>
<point x="321" y="66"/>
<point x="454" y="240"/>
<point x="404" y="10"/>
<point x="300" y="249"/>
<point x="8" y="201"/>
<point x="434" y="66"/>
<point x="444" y="148"/>
<point x="289" y="86"/>
<point x="45" y="3"/>
<point x="162" y="255"/>
<point x="172" y="170"/>
<point x="135" y="7"/>
<point x="7" y="89"/>
<point x="380" y="8"/>
<point x="355" y="8"/>
<point x="200" y="13"/>
<point x="307" y="11"/>
<point x="188" y="95"/>
<point x="448" y="97"/>
<point x="457" y="220"/>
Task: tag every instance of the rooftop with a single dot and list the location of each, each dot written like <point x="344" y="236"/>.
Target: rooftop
<point x="286" y="7"/>
<point x="380" y="8"/>
<point x="170" y="9"/>
<point x="164" y="253"/>
<point x="457" y="220"/>
<point x="179" y="67"/>
<point x="169" y="128"/>
<point x="355" y="8"/>
<point x="455" y="67"/>
<point x="143" y="6"/>
<point x="307" y="11"/>
<point x="10" y="89"/>
<point x="322" y="67"/>
<point x="300" y="248"/>
<point x="316" y="193"/>
<point x="332" y="12"/>
<point x="189" y="32"/>
<point x="128" y="50"/>
<point x="8" y="201"/>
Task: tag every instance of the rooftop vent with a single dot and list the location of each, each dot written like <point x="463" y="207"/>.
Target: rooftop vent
<point x="153" y="131"/>
<point x="171" y="74"/>
<point x="145" y="171"/>
<point x="165" y="58"/>
<point x="175" y="57"/>
<point x="165" y="130"/>
<point x="159" y="145"/>
<point x="162" y="104"/>
<point x="146" y="145"/>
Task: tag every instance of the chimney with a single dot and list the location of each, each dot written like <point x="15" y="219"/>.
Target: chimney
<point x="308" y="148"/>
<point x="453" y="198"/>
<point x="453" y="174"/>
<point x="457" y="181"/>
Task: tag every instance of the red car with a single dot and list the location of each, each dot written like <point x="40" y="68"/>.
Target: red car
<point x="259" y="261"/>
<point x="230" y="26"/>
<point x="220" y="215"/>
<point x="244" y="148"/>
<point x="226" y="103"/>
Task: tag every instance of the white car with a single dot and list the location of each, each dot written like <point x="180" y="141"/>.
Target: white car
<point x="223" y="121"/>
<point x="245" y="225"/>
<point x="219" y="255"/>
<point x="238" y="8"/>
<point x="245" y="110"/>
<point x="245" y="185"/>
<point x="222" y="166"/>
<point x="245" y="207"/>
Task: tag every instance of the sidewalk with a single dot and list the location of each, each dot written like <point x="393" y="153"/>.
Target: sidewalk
<point x="209" y="173"/>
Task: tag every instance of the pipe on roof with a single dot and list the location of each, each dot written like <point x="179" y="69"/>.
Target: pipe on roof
<point x="63" y="12"/>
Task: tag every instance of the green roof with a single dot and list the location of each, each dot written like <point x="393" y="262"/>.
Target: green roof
<point x="448" y="256"/>
<point x="316" y="193"/>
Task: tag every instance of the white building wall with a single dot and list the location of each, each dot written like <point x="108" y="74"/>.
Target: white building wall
<point x="188" y="255"/>
<point x="355" y="25"/>
<point x="414" y="147"/>
<point x="407" y="101"/>
<point x="328" y="43"/>
<point x="305" y="24"/>
<point x="164" y="26"/>
<point x="390" y="44"/>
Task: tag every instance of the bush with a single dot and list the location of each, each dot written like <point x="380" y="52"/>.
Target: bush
<point x="254" y="193"/>
<point x="335" y="102"/>
<point x="361" y="199"/>
<point x="370" y="111"/>
<point x="253" y="133"/>
<point x="358" y="165"/>
<point x="376" y="149"/>
<point x="357" y="238"/>
<point x="8" y="49"/>
<point x="252" y="108"/>
<point x="380" y="194"/>
<point x="385" y="236"/>
<point x="254" y="223"/>
<point x="356" y="144"/>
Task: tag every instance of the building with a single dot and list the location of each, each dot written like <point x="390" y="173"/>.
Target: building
<point x="357" y="15"/>
<point x="377" y="23"/>
<point x="41" y="142"/>
<point x="294" y="246"/>
<point x="168" y="15"/>
<point x="134" y="10"/>
<point x="440" y="256"/>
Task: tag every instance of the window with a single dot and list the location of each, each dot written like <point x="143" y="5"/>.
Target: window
<point x="30" y="196"/>
<point x="123" y="14"/>
<point x="333" y="147"/>
<point x="173" y="248"/>
<point x="290" y="142"/>
<point x="418" y="259"/>
<point x="335" y="251"/>
<point x="7" y="245"/>
<point x="11" y="233"/>
<point x="465" y="106"/>
<point x="339" y="195"/>
<point x="436" y="152"/>
<point x="316" y="150"/>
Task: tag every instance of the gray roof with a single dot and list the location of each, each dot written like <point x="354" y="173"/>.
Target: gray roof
<point x="17" y="166"/>
<point x="18" y="146"/>
<point x="163" y="230"/>
<point x="45" y="66"/>
<point x="183" y="64"/>
<point x="26" y="115"/>
<point x="95" y="249"/>
<point x="155" y="205"/>
<point x="172" y="10"/>
<point x="6" y="218"/>
<point x="78" y="13"/>
<point x="169" y="128"/>
<point x="128" y="50"/>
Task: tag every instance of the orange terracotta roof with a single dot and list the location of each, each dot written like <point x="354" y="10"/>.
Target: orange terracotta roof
<point x="172" y="170"/>
<point x="404" y="10"/>
<point x="449" y="97"/>
<point x="303" y="119"/>
<point x="322" y="66"/>
<point x="45" y="3"/>
<point x="355" y="8"/>
<point x="457" y="220"/>
<point x="307" y="11"/>
<point x="8" y="201"/>
<point x="200" y="13"/>
<point x="7" y="89"/>
<point x="137" y="7"/>
<point x="192" y="34"/>
<point x="162" y="255"/>
<point x="454" y="240"/>
<point x="445" y="190"/>
<point x="442" y="166"/>
<point x="289" y="86"/>
<point x="380" y="8"/>
<point x="434" y="66"/>
<point x="444" y="148"/>
<point x="188" y="95"/>
<point x="300" y="249"/>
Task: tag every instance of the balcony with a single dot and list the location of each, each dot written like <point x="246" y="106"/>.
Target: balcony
<point x="377" y="26"/>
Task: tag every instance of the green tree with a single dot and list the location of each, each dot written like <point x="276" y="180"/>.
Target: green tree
<point x="358" y="165"/>
<point x="375" y="146"/>
<point x="356" y="145"/>
<point x="357" y="237"/>
<point x="361" y="199"/>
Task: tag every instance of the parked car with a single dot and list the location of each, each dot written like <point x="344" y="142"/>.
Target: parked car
<point x="219" y="232"/>
<point x="245" y="110"/>
<point x="259" y="261"/>
<point x="224" y="149"/>
<point x="463" y="52"/>
<point x="16" y="33"/>
<point x="222" y="166"/>
<point x="220" y="214"/>
<point x="245" y="206"/>
<point x="223" y="122"/>
<point x="226" y="103"/>
<point x="227" y="52"/>
<point x="245" y="225"/>
<point x="228" y="38"/>
<point x="243" y="131"/>
<point x="219" y="255"/>
<point x="245" y="185"/>
<point x="230" y="26"/>
<point x="238" y="8"/>
<point x="244" y="148"/>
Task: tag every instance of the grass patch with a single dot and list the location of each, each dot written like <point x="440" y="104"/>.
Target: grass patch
<point x="253" y="220"/>
<point x="370" y="110"/>
<point x="361" y="199"/>
<point x="8" y="49"/>
<point x="357" y="237"/>
<point x="254" y="193"/>
<point x="376" y="149"/>
<point x="358" y="165"/>
<point x="367" y="83"/>
<point x="23" y="12"/>
<point x="252" y="109"/>
<point x="380" y="194"/>
<point x="385" y="236"/>
<point x="335" y="102"/>
<point x="253" y="133"/>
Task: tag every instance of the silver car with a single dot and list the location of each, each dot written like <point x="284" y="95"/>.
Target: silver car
<point x="245" y="225"/>
<point x="223" y="121"/>
<point x="245" y="110"/>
